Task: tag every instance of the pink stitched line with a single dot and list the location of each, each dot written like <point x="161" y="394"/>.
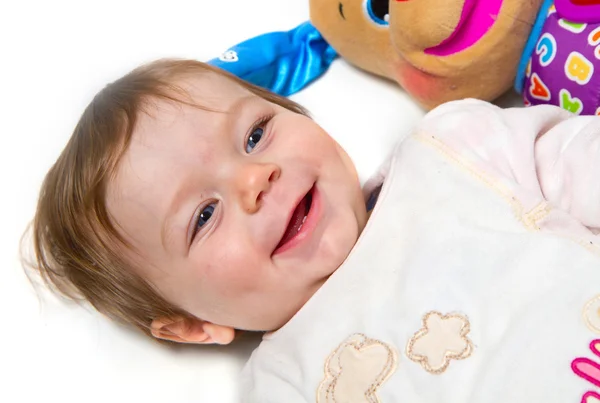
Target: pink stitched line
<point x="593" y="347"/>
<point x="588" y="394"/>
<point x="586" y="369"/>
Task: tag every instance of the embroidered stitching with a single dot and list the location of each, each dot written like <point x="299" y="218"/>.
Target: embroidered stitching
<point x="590" y="397"/>
<point x="448" y="355"/>
<point x="516" y="206"/>
<point x="334" y="369"/>
<point x="536" y="214"/>
<point x="452" y="155"/>
<point x="588" y="369"/>
<point x="591" y="314"/>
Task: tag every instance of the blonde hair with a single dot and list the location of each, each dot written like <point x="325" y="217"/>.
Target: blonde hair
<point x="76" y="245"/>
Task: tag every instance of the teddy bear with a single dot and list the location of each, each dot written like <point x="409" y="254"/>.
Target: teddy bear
<point x="444" y="50"/>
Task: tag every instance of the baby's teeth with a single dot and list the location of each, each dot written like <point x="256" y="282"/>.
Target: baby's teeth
<point x="302" y="223"/>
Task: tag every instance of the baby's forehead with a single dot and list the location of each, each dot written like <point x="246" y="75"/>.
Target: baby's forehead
<point x="200" y="94"/>
<point x="213" y="87"/>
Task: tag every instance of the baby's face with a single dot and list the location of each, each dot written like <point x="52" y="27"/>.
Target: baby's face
<point x="238" y="216"/>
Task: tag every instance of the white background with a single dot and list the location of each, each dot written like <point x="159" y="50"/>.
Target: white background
<point x="55" y="55"/>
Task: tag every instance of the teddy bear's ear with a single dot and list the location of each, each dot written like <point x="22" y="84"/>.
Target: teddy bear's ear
<point x="283" y="62"/>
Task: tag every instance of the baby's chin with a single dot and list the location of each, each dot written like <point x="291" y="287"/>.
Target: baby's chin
<point x="334" y="248"/>
<point x="285" y="316"/>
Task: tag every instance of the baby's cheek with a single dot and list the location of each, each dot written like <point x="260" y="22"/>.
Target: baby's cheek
<point x="303" y="134"/>
<point x="234" y="272"/>
<point x="338" y="241"/>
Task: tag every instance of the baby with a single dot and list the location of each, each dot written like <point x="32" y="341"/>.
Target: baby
<point x="192" y="204"/>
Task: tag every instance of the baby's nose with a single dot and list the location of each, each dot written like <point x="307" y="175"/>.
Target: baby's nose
<point x="253" y="182"/>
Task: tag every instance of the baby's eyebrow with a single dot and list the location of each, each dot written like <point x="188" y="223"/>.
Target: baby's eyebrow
<point x="242" y="103"/>
<point x="167" y="231"/>
<point x="170" y="230"/>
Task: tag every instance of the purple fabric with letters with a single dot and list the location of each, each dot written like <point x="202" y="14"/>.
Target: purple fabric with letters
<point x="564" y="68"/>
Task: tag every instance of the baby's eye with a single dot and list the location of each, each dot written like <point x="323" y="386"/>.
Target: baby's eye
<point x="204" y="216"/>
<point x="254" y="138"/>
<point x="256" y="133"/>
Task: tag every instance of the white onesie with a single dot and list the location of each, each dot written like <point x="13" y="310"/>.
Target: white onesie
<point x="476" y="279"/>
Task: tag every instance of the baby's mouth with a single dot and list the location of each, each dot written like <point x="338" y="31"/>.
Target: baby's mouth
<point x="297" y="219"/>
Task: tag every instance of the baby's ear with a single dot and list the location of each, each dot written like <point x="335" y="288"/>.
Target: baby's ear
<point x="191" y="330"/>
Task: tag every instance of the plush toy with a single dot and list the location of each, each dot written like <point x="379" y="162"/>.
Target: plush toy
<point x="443" y="50"/>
